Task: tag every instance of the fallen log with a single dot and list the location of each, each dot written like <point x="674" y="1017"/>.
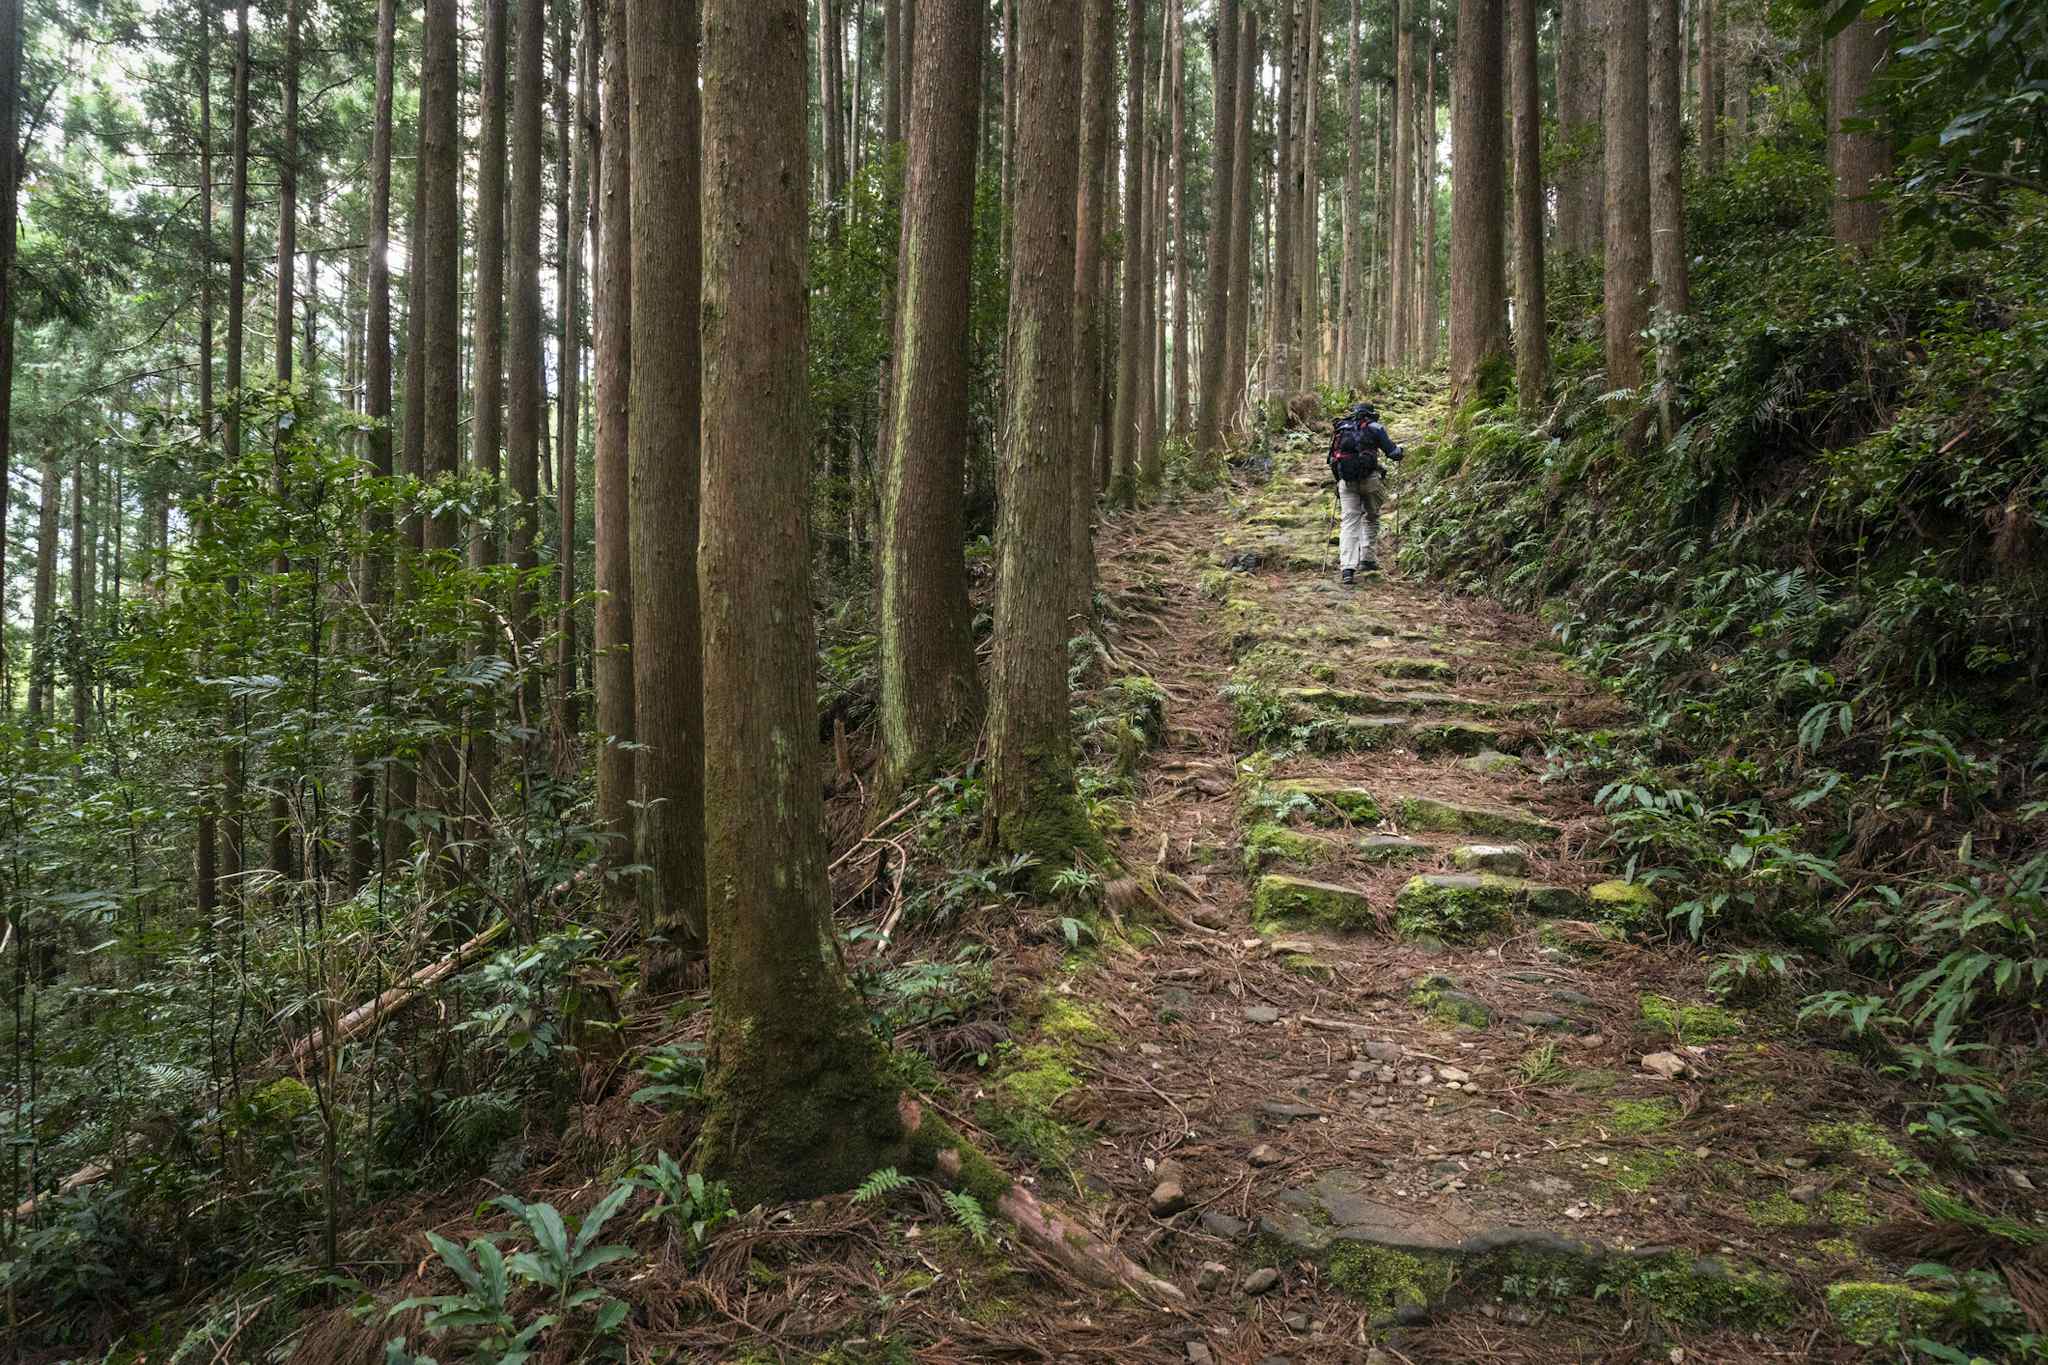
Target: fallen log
<point x="356" y="1021"/>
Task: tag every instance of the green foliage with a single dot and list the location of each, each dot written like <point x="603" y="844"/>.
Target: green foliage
<point x="682" y="1199"/>
<point x="675" y="1073"/>
<point x="884" y="1182"/>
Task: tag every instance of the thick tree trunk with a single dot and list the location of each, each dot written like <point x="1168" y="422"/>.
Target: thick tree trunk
<point x="572" y="181"/>
<point x="1401" y="247"/>
<point x="1150" y="467"/>
<point x="1667" y="178"/>
<point x="1092" y="199"/>
<point x="1209" y="413"/>
<point x="1237" y="365"/>
<point x="1627" y="143"/>
<point x="1177" y="19"/>
<point x="526" y="402"/>
<point x="931" y="696"/>
<point x="1581" y="80"/>
<point x="487" y="298"/>
<point x="1033" y="807"/>
<point x="1479" y="305"/>
<point x="1350" y="310"/>
<point x="1708" y="111"/>
<point x="668" y="651"/>
<point x="1430" y="320"/>
<point x="1123" y="429"/>
<point x="1532" y="319"/>
<point x="796" y="1102"/>
<point x="1311" y="274"/>
<point x="1859" y="156"/>
<point x="1279" y="302"/>
<point x="375" y="570"/>
<point x="612" y="673"/>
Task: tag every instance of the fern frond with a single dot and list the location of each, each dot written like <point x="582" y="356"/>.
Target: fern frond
<point x="967" y="1211"/>
<point x="888" y="1180"/>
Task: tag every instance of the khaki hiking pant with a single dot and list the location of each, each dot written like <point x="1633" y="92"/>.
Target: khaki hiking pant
<point x="1360" y="537"/>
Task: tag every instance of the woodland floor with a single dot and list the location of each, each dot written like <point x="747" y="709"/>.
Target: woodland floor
<point x="1447" y="1150"/>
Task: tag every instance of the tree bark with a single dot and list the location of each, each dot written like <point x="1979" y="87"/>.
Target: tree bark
<point x="10" y="191"/>
<point x="1580" y="83"/>
<point x="1430" y="309"/>
<point x="1209" y="413"/>
<point x="1860" y="157"/>
<point x="1033" y="807"/>
<point x="1667" y="179"/>
<point x="1627" y="145"/>
<point x="571" y="197"/>
<point x="931" y="696"/>
<point x="1401" y="246"/>
<point x="1532" y="319"/>
<point x="1479" y="305"/>
<point x="796" y="1102"/>
<point x="1151" y="469"/>
<point x="1350" y="312"/>
<point x="892" y="72"/>
<point x="1708" y="111"/>
<point x="234" y="758"/>
<point x="526" y="402"/>
<point x="487" y="306"/>
<point x="1092" y="199"/>
<point x="1238" y="363"/>
<point x="1279" y="301"/>
<point x="41" y="667"/>
<point x="612" y="673"/>
<point x="669" y="674"/>
<point x="1123" y="431"/>
<point x="1310" y="280"/>
<point x="1177" y="18"/>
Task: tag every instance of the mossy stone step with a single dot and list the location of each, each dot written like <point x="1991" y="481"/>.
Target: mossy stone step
<point x="1506" y="859"/>
<point x="1330" y="802"/>
<point x="1626" y="905"/>
<point x="1391" y="848"/>
<point x="1439" y="816"/>
<point x="1283" y="902"/>
<point x="1460" y="906"/>
<point x="1269" y="843"/>
<point x="1391" y="1258"/>
<point x="1432" y="737"/>
<point x="1489" y="762"/>
<point x="1397" y="666"/>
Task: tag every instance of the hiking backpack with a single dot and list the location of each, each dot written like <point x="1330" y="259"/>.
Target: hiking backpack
<point x="1351" y="454"/>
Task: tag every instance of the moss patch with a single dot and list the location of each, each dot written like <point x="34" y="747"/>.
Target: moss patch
<point x="1276" y="843"/>
<point x="1864" y="1141"/>
<point x="1688" y="1023"/>
<point x="1849" y="1209"/>
<point x="1781" y="1210"/>
<point x="1382" y="1279"/>
<point x="1641" y="1172"/>
<point x="1629" y="906"/>
<point x="1398" y="667"/>
<point x="1063" y="1019"/>
<point x="1455" y="908"/>
<point x="1635" y="1117"/>
<point x="1296" y="903"/>
<point x="1711" y="1291"/>
<point x="1329" y="803"/>
<point x="1440" y="996"/>
<point x="1451" y="817"/>
<point x="1872" y="1311"/>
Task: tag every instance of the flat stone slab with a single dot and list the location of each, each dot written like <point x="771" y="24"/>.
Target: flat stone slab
<point x="1507" y="859"/>
<point x="1455" y="817"/>
<point x="1330" y="802"/>
<point x="1391" y="848"/>
<point x="1297" y="902"/>
<point x="1398" y="666"/>
<point x="1490" y="762"/>
<point x="1459" y="906"/>
<point x="1432" y="737"/>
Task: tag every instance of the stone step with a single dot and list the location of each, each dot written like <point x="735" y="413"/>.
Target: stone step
<point x="1283" y="902"/>
<point x="1327" y="801"/>
<point x="1457" y="907"/>
<point x="1508" y="860"/>
<point x="1401" y="1259"/>
<point x="1407" y="667"/>
<point x="1439" y="816"/>
<point x="1392" y="848"/>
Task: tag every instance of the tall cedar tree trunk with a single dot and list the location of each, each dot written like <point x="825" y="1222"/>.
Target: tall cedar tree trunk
<point x="526" y="403"/>
<point x="1112" y="322"/>
<point x="1350" y="305"/>
<point x="375" y="568"/>
<point x="205" y="838"/>
<point x="1209" y="411"/>
<point x="1152" y="454"/>
<point x="1581" y="82"/>
<point x="1627" y="114"/>
<point x="10" y="186"/>
<point x="1430" y="316"/>
<point x="1667" y="180"/>
<point x="1009" y="128"/>
<point x="41" y="667"/>
<point x="1033" y="807"/>
<point x="81" y="599"/>
<point x="1123" y="430"/>
<point x="797" y="1104"/>
<point x="1311" y="198"/>
<point x="668" y="650"/>
<point x="487" y="361"/>
<point x="571" y="191"/>
<point x="1479" y="304"/>
<point x="1287" y="193"/>
<point x="1532" y="319"/>
<point x="892" y="78"/>
<point x="612" y="671"/>
<point x="1859" y="156"/>
<point x="1244" y="105"/>
<point x="829" y="75"/>
<point x="281" y="840"/>
<point x="234" y="776"/>
<point x="1401" y="247"/>
<point x="1091" y="222"/>
<point x="1176" y="17"/>
<point x="1147" y="447"/>
<point x="437" y="325"/>
<point x="931" y="696"/>
<point x="1708" y="111"/>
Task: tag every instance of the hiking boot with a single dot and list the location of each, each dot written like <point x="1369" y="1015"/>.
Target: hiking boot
<point x="1349" y="577"/>
<point x="1370" y="566"/>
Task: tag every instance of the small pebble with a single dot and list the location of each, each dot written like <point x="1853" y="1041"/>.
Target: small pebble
<point x="1264" y="1155"/>
<point x="1264" y="1280"/>
<point x="1210" y="1275"/>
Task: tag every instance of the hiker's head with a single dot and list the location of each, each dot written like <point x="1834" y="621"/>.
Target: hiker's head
<point x="1365" y="412"/>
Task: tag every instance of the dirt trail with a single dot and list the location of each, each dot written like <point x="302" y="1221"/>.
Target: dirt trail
<point x="1403" y="1065"/>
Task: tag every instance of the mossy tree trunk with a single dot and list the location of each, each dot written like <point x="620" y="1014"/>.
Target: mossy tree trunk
<point x="1091" y="222"/>
<point x="931" y="696"/>
<point x="1209" y="412"/>
<point x="612" y="667"/>
<point x="1479" y="304"/>
<point x="797" y="1102"/>
<point x="668" y="660"/>
<point x="1033" y="806"/>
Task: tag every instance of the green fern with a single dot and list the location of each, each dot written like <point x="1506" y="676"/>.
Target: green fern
<point x="886" y="1181"/>
<point x="967" y="1211"/>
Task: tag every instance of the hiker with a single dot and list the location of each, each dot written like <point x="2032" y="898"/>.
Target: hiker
<point x="1355" y="450"/>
